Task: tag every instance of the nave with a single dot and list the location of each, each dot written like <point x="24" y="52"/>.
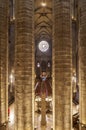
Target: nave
<point x="37" y="120"/>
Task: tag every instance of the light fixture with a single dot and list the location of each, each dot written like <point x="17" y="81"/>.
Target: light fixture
<point x="11" y="80"/>
<point x="73" y="18"/>
<point x="43" y="4"/>
<point x="38" y="64"/>
<point x="74" y="79"/>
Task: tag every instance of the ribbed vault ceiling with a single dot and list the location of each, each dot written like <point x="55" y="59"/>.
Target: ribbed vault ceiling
<point x="43" y="20"/>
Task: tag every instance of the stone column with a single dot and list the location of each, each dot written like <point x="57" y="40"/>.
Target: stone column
<point x="3" y="63"/>
<point x="82" y="65"/>
<point x="43" y="109"/>
<point x="23" y="64"/>
<point x="62" y="65"/>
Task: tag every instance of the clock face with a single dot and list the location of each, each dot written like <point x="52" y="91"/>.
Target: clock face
<point x="43" y="46"/>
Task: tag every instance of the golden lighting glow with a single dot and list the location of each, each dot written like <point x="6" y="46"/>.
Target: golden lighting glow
<point x="73" y="18"/>
<point x="11" y="78"/>
<point x="43" y="4"/>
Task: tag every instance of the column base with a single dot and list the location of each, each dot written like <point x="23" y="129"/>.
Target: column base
<point x="4" y="126"/>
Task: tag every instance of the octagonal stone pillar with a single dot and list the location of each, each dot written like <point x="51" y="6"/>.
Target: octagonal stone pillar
<point x="82" y="63"/>
<point x="3" y="63"/>
<point x="62" y="65"/>
<point x="23" y="64"/>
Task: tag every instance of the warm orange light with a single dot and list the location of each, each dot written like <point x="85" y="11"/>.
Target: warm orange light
<point x="43" y="4"/>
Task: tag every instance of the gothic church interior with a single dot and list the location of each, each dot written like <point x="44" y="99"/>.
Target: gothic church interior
<point x="42" y="65"/>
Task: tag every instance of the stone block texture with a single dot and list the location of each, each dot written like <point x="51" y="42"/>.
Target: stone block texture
<point x="3" y="61"/>
<point x="82" y="62"/>
<point x="23" y="64"/>
<point x="62" y="65"/>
